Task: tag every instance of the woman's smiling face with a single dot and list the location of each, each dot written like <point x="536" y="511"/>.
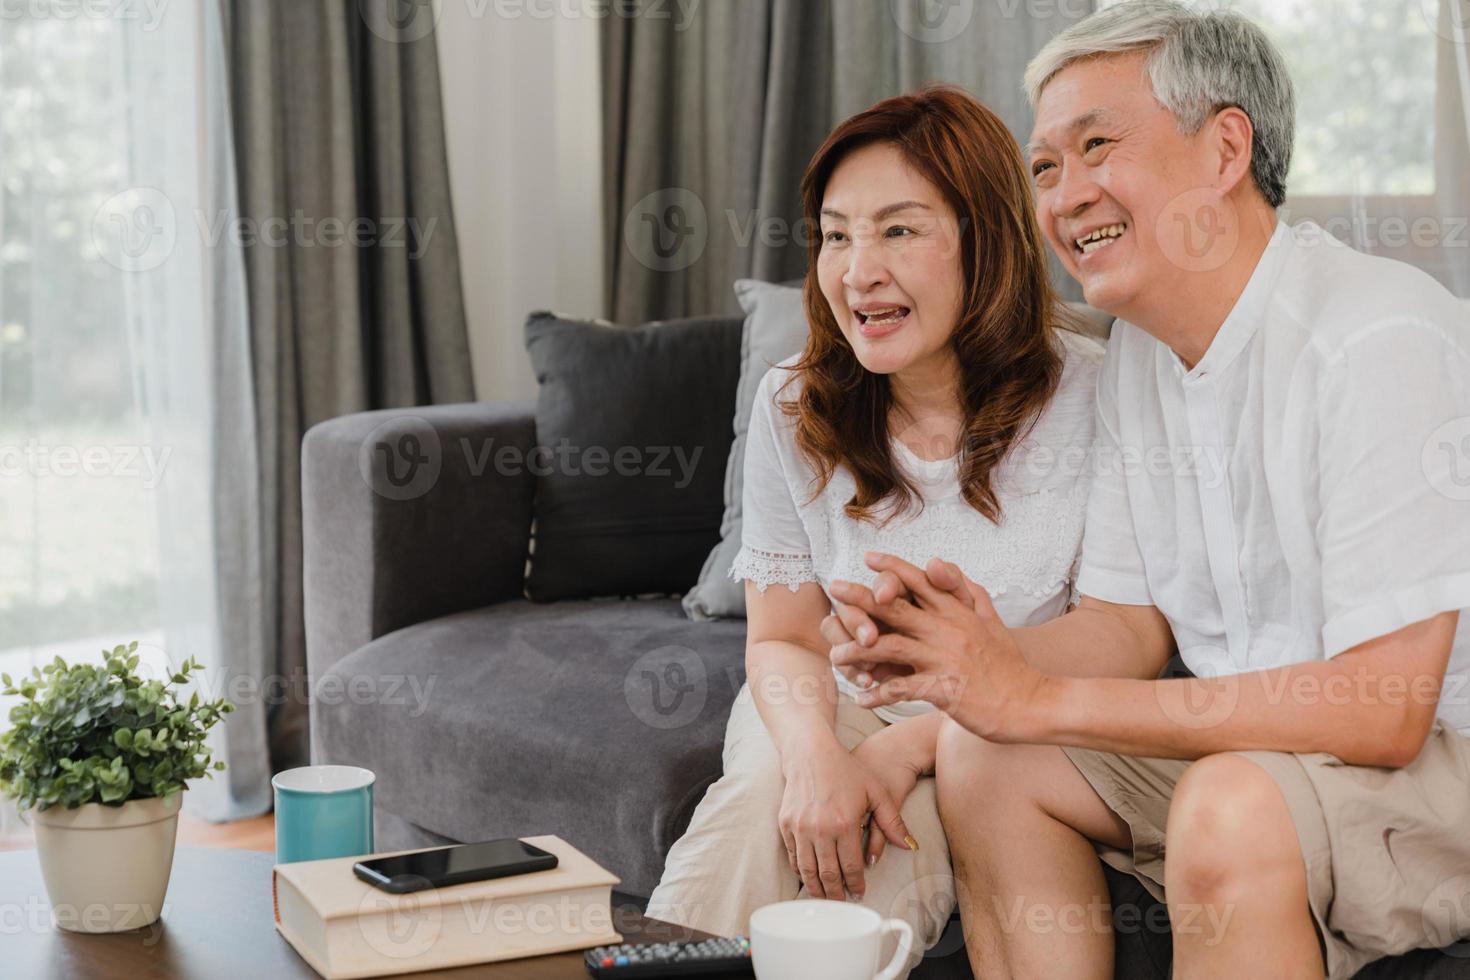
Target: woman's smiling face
<point x="889" y="265"/>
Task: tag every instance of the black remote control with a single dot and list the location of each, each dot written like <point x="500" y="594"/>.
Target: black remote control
<point x="712" y="957"/>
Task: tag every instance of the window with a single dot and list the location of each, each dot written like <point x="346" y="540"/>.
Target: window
<point x="1364" y="72"/>
<point x="1369" y="164"/>
<point x="78" y="557"/>
<point x="96" y="476"/>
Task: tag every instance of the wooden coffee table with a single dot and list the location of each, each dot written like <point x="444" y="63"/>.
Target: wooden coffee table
<point x="217" y="922"/>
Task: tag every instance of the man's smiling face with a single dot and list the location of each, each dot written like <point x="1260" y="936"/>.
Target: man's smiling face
<point x="1117" y="184"/>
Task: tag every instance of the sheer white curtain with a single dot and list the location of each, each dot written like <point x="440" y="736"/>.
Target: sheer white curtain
<point x="123" y="348"/>
<point x="1382" y="154"/>
<point x="1452" y="131"/>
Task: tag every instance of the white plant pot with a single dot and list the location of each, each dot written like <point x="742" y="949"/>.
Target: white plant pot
<point x="107" y="867"/>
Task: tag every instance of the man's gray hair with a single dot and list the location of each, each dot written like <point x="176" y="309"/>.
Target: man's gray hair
<point x="1198" y="62"/>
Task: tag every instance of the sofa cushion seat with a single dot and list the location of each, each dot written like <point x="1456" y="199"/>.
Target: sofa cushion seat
<point x="598" y="720"/>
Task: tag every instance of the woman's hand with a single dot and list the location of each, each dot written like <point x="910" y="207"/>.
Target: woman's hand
<point x="898" y="755"/>
<point x="850" y="623"/>
<point x="963" y="659"/>
<point x="829" y="795"/>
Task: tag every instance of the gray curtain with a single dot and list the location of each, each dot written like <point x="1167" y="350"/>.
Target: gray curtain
<point x="710" y="117"/>
<point x="352" y="283"/>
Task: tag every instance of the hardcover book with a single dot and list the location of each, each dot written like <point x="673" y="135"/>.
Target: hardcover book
<point x="344" y="927"/>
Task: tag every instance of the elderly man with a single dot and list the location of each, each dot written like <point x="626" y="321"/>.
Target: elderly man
<point x="1274" y="496"/>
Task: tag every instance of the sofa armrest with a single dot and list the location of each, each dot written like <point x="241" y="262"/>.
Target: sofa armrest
<point x="409" y="514"/>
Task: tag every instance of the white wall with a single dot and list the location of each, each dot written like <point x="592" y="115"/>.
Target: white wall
<point x="522" y="108"/>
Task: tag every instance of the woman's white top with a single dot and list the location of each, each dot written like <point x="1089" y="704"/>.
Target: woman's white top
<point x="1027" y="562"/>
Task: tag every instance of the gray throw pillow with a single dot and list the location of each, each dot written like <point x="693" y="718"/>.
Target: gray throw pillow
<point x="775" y="329"/>
<point x="631" y="423"/>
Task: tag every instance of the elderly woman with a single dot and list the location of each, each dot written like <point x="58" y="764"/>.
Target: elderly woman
<point x="938" y="408"/>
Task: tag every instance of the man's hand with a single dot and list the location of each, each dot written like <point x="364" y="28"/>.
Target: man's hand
<point x="850" y="623"/>
<point x="962" y="658"/>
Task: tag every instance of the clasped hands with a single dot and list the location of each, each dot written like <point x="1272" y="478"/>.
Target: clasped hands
<point x="931" y="635"/>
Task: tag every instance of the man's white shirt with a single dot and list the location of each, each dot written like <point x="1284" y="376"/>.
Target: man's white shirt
<point x="1305" y="487"/>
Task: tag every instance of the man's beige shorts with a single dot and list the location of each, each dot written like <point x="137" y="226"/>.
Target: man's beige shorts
<point x="1387" y="851"/>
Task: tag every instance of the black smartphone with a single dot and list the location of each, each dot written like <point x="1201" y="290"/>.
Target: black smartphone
<point x="453" y="865"/>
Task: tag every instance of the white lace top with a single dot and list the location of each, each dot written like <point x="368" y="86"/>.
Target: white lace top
<point x="1027" y="562"/>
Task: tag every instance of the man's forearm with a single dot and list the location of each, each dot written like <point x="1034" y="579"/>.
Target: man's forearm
<point x="1355" y="709"/>
<point x="1089" y="679"/>
<point x="794" y="693"/>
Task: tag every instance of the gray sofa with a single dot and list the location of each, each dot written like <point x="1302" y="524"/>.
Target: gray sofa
<point x="485" y="715"/>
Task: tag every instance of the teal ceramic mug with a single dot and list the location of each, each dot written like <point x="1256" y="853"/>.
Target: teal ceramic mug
<point x="323" y="812"/>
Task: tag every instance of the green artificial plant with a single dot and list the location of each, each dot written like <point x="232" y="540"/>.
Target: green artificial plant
<point x="102" y="734"/>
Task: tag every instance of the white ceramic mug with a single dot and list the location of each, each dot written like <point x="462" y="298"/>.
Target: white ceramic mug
<point x="819" y="939"/>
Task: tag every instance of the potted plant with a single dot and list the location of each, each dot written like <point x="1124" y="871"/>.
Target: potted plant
<point x="99" y="756"/>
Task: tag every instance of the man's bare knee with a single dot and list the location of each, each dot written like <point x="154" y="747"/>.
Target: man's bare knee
<point x="1230" y="835"/>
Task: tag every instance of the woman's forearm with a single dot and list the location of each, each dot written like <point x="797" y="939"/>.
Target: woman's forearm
<point x="916" y="739"/>
<point x="795" y="695"/>
<point x="1099" y="639"/>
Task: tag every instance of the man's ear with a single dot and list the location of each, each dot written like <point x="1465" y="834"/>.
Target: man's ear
<point x="1233" y="137"/>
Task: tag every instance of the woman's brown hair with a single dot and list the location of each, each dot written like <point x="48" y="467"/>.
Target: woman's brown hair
<point x="1009" y="364"/>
